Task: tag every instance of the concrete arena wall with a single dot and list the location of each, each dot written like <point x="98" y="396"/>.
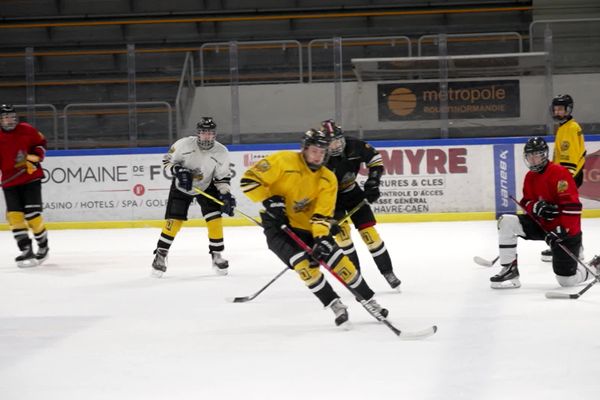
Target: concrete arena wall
<point x="430" y="180"/>
<point x="309" y="103"/>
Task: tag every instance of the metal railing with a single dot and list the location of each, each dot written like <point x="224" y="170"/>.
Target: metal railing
<point x="185" y="93"/>
<point x="389" y="41"/>
<point x="463" y="37"/>
<point x="538" y="22"/>
<point x="278" y="45"/>
<point x="127" y="104"/>
<point x="54" y="113"/>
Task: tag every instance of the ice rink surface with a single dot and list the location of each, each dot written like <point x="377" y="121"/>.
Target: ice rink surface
<point x="91" y="323"/>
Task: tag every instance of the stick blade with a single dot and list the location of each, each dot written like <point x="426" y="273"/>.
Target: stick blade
<point x="417" y="335"/>
<point x="560" y="295"/>
<point x="237" y="299"/>
<point x="482" y="261"/>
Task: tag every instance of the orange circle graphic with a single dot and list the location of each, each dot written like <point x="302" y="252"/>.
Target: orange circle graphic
<point x="402" y="101"/>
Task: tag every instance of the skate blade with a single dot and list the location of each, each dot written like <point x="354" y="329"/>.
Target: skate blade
<point x="27" y="263"/>
<point x="156" y="273"/>
<point x="511" y="284"/>
<point x="346" y="326"/>
<point x="546" y="258"/>
<point x="41" y="260"/>
<point x="221" y="271"/>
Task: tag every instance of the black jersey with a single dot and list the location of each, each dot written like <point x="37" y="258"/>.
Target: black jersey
<point x="347" y="165"/>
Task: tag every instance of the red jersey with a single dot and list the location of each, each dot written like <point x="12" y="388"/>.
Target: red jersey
<point x="555" y="185"/>
<point x="15" y="145"/>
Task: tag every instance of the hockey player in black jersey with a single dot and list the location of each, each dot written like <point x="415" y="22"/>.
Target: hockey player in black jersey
<point x="346" y="156"/>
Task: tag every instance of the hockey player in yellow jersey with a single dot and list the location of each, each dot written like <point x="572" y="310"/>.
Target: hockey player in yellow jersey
<point x="569" y="144"/>
<point x="299" y="192"/>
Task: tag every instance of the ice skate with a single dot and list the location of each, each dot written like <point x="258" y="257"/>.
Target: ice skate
<point x="392" y="280"/>
<point x="159" y="265"/>
<point x="547" y="255"/>
<point x="220" y="265"/>
<point x="375" y="308"/>
<point x="42" y="254"/>
<point x="341" y="313"/>
<point x="507" y="278"/>
<point x="26" y="259"/>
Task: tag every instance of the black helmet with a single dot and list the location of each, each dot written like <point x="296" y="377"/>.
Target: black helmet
<point x="536" y="146"/>
<point x="562" y="100"/>
<point x="338" y="142"/>
<point x="206" y="124"/>
<point x="315" y="137"/>
<point x="8" y="117"/>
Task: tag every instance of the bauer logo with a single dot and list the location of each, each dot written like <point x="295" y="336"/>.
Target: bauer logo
<point x="504" y="178"/>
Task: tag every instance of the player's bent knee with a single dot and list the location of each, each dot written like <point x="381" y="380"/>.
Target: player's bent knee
<point x="36" y="224"/>
<point x="308" y="272"/>
<point x="370" y="237"/>
<point x="345" y="269"/>
<point x="172" y="226"/>
<point x="567" y="281"/>
<point x="16" y="219"/>
<point x="508" y="222"/>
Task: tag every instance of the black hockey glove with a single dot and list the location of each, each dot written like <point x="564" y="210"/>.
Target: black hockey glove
<point x="334" y="228"/>
<point x="555" y="237"/>
<point x="371" y="190"/>
<point x="229" y="203"/>
<point x="323" y="247"/>
<point x="275" y="207"/>
<point x="184" y="177"/>
<point x="547" y="211"/>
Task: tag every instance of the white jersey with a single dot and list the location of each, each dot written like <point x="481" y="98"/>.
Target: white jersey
<point x="205" y="165"/>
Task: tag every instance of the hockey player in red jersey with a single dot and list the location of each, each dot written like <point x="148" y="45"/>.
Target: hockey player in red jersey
<point x="22" y="149"/>
<point x="569" y="144"/>
<point x="550" y="195"/>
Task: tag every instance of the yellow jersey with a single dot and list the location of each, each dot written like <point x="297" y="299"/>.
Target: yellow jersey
<point x="569" y="148"/>
<point x="307" y="193"/>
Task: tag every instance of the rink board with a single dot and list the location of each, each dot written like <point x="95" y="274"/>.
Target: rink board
<point x="424" y="180"/>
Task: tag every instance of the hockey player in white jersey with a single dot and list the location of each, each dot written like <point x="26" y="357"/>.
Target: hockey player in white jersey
<point x="197" y="162"/>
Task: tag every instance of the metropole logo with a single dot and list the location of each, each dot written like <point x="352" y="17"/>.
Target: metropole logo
<point x="402" y="101"/>
<point x="414" y="101"/>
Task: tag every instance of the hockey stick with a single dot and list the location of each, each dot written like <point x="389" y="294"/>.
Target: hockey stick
<point x="219" y="202"/>
<point x="13" y="177"/>
<point x="244" y="299"/>
<point x="484" y="262"/>
<point x="560" y="295"/>
<point x="377" y="315"/>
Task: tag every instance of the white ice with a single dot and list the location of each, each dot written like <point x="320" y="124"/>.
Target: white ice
<point x="92" y="324"/>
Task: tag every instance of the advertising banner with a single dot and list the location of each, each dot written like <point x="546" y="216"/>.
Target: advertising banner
<point x="418" y="179"/>
<point x="466" y="100"/>
<point x="504" y="178"/>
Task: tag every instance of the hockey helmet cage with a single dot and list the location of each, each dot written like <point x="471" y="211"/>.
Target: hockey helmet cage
<point x="536" y="146"/>
<point x="338" y="142"/>
<point x="8" y="117"/>
<point x="208" y="129"/>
